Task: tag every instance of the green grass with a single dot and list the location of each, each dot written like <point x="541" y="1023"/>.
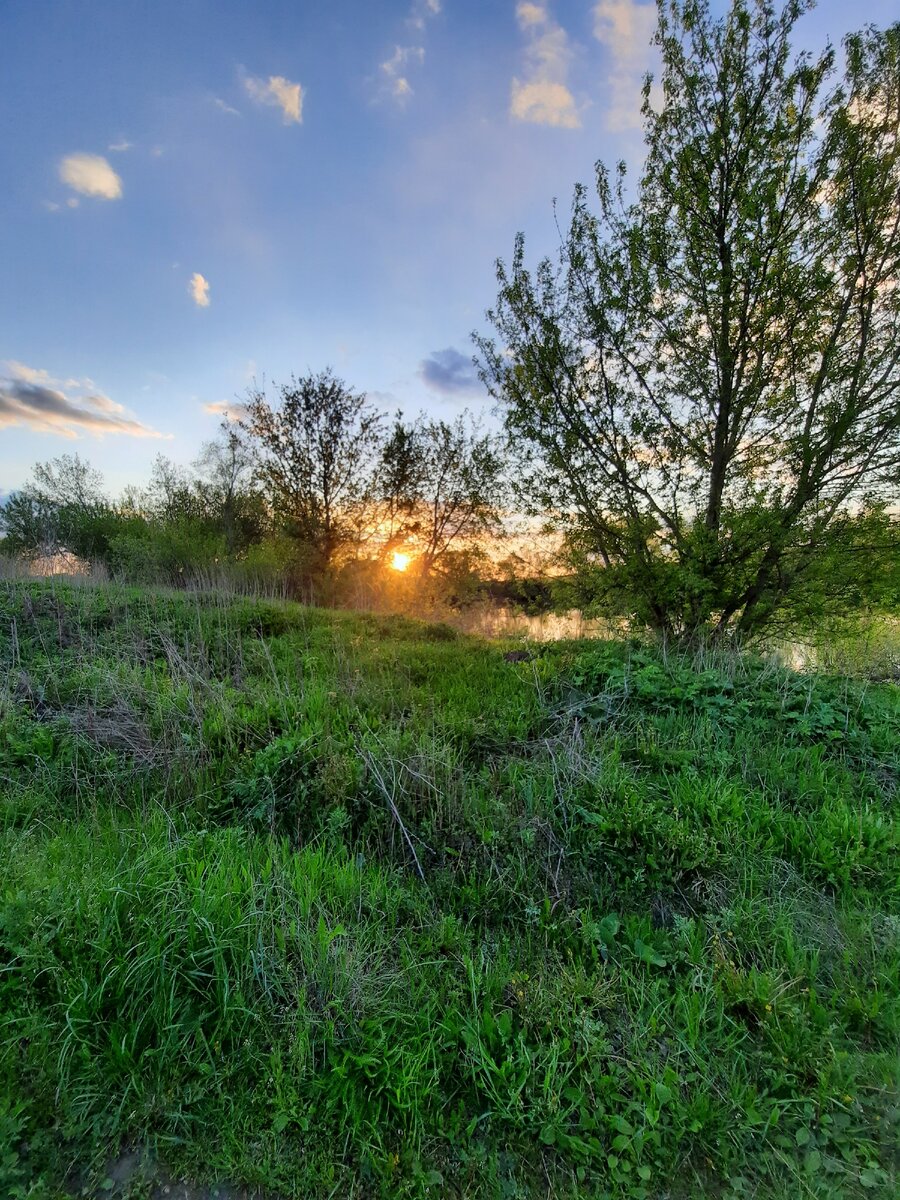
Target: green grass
<point x="341" y="905"/>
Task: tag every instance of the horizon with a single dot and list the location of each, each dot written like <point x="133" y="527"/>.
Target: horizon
<point x="201" y="196"/>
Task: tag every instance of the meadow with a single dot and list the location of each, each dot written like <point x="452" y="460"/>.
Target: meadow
<point x="327" y="904"/>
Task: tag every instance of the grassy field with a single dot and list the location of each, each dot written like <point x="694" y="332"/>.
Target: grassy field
<point x="348" y="906"/>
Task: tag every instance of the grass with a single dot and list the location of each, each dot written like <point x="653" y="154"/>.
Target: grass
<point x="341" y="905"/>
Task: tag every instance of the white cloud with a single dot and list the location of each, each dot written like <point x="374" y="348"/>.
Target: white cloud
<point x="31" y="397"/>
<point x="625" y="28"/>
<point x="393" y="70"/>
<point x="104" y="404"/>
<point x="280" y="93"/>
<point x="543" y="96"/>
<point x="225" y="108"/>
<point x="21" y="371"/>
<point x="543" y="103"/>
<point x="199" y="289"/>
<point x="120" y="146"/>
<point x="91" y="175"/>
<point x="531" y="14"/>
<point x="231" y="410"/>
<point x="422" y="10"/>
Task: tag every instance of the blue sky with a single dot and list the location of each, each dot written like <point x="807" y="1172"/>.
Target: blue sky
<point x="197" y="192"/>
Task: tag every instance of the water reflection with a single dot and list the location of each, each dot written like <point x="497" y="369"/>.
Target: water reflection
<point x="871" y="649"/>
<point x="497" y="621"/>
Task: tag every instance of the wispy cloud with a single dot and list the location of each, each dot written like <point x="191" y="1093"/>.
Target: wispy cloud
<point x="625" y="28"/>
<point x="542" y="96"/>
<point x="91" y="175"/>
<point x="198" y="286"/>
<point x="224" y="107"/>
<point x="421" y="11"/>
<point x="19" y="370"/>
<point x="120" y="146"/>
<point x="530" y="14"/>
<point x="279" y="93"/>
<point x="394" y="70"/>
<point x="30" y="397"/>
<point x="450" y="372"/>
<point x="231" y="410"/>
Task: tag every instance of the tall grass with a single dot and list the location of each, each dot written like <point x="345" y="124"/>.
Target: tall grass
<point x="341" y="904"/>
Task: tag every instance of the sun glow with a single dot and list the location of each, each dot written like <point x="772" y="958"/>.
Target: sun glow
<point x="399" y="561"/>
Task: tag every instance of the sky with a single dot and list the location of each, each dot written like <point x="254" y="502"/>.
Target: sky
<point x="197" y="194"/>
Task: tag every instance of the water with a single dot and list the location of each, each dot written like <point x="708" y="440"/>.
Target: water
<point x="871" y="649"/>
<point x="498" y="621"/>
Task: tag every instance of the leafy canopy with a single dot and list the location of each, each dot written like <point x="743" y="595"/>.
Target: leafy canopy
<point x="704" y="387"/>
<point x="317" y="448"/>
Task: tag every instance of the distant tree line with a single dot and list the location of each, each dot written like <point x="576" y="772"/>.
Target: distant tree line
<point x="312" y="488"/>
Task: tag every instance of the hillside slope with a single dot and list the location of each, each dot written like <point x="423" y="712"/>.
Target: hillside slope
<point x="340" y="905"/>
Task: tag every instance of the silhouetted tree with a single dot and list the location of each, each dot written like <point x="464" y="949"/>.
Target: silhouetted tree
<point x="317" y="448"/>
<point x="442" y="486"/>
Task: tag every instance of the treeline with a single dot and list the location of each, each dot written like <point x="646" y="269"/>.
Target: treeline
<point x="317" y="495"/>
<point x="314" y="492"/>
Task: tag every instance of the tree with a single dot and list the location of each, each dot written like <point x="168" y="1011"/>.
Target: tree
<point x="29" y="525"/>
<point x="224" y="482"/>
<point x="317" y="450"/>
<point x="171" y="495"/>
<point x="441" y="485"/>
<point x="62" y="508"/>
<point x="400" y="483"/>
<point x="188" y="522"/>
<point x="705" y="387"/>
<point x="69" y="481"/>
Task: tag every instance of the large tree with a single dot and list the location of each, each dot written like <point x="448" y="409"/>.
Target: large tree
<point x="706" y="385"/>
<point x="317" y="448"/>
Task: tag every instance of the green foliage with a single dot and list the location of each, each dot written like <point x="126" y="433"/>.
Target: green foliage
<point x="292" y="783"/>
<point x="164" y="552"/>
<point x="63" y="508"/>
<point x="181" y="527"/>
<point x="654" y="949"/>
<point x="317" y="448"/>
<point x="703" y="389"/>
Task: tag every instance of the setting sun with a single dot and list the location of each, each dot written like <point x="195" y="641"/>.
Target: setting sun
<point x="399" y="561"/>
